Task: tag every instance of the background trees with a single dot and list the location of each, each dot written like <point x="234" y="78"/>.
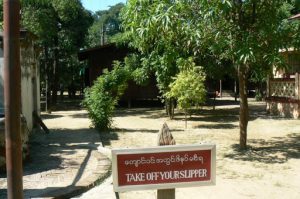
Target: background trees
<point x="158" y="30"/>
<point x="106" y="25"/>
<point x="249" y="34"/>
<point x="60" y="27"/>
<point x="246" y="35"/>
<point x="230" y="35"/>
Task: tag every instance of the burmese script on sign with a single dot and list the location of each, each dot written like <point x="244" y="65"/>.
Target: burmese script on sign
<point x="164" y="167"/>
<point x="166" y="161"/>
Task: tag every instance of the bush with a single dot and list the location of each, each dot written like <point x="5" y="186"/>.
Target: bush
<point x="258" y="96"/>
<point x="101" y="98"/>
<point x="188" y="88"/>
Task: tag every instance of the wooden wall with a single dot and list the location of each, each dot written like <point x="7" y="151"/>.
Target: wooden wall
<point x="102" y="57"/>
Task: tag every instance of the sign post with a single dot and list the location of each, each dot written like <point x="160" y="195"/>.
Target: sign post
<point x="165" y="137"/>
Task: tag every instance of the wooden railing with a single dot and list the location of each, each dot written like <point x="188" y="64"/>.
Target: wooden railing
<point x="284" y="89"/>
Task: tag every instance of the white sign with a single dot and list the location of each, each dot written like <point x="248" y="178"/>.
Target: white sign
<point x="164" y="167"/>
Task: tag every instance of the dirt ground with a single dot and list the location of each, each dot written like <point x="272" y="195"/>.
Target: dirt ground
<point x="268" y="169"/>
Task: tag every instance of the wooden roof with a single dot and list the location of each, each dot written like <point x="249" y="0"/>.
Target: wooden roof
<point x="84" y="54"/>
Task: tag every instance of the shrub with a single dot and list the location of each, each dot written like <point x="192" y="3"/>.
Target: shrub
<point x="188" y="88"/>
<point x="101" y="98"/>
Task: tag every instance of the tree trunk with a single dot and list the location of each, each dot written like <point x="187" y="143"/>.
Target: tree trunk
<point x="47" y="71"/>
<point x="244" y="110"/>
<point x="173" y="107"/>
<point x="185" y="113"/>
<point x="170" y="105"/>
<point x="55" y="72"/>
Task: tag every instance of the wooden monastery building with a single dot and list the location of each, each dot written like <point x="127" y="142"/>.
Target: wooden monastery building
<point x="102" y="57"/>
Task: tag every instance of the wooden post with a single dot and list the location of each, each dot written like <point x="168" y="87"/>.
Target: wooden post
<point x="297" y="94"/>
<point x="166" y="194"/>
<point x="39" y="121"/>
<point x="221" y="90"/>
<point x="12" y="98"/>
<point x="129" y="103"/>
<point x="268" y="86"/>
<point x="46" y="95"/>
<point x="235" y="91"/>
<point x="185" y="117"/>
<point x="165" y="138"/>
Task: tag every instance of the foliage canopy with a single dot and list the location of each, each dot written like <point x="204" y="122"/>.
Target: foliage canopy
<point x="61" y="27"/>
<point x="106" y="26"/>
<point x="245" y="34"/>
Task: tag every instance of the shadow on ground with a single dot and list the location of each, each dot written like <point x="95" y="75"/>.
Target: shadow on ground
<point x="80" y="115"/>
<point x="55" y="152"/>
<point x="50" y="116"/>
<point x="227" y="111"/>
<point x="153" y="112"/>
<point x="217" y="126"/>
<point x="47" y="150"/>
<point x="277" y="150"/>
<point x="107" y="137"/>
<point x="67" y="104"/>
<point x="126" y="130"/>
<point x="221" y="102"/>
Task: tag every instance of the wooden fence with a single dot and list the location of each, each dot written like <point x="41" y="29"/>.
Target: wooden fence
<point x="283" y="96"/>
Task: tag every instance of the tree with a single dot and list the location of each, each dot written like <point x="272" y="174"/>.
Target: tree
<point x="106" y="25"/>
<point x="241" y="32"/>
<point x="247" y="33"/>
<point x="155" y="29"/>
<point x="188" y="88"/>
<point x="61" y="27"/>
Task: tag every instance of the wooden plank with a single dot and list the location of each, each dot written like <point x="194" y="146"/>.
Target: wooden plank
<point x="39" y="121"/>
<point x="166" y="194"/>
